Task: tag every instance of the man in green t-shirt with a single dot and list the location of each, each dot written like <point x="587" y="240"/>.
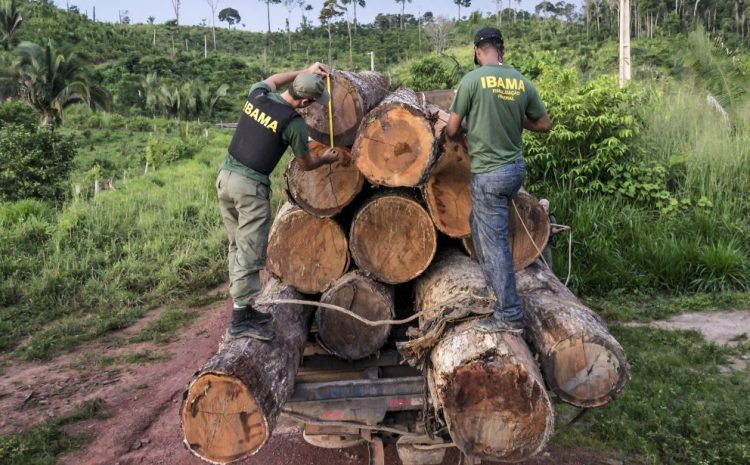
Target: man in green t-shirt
<point x="268" y="125"/>
<point x="498" y="103"/>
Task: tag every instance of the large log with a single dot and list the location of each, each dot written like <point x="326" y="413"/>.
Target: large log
<point x="352" y="96"/>
<point x="392" y="237"/>
<point x="395" y="145"/>
<point x="306" y="252"/>
<point x="488" y="385"/>
<point x="447" y="190"/>
<point x="231" y="406"/>
<point x="528" y="231"/>
<point x="344" y="336"/>
<point x="582" y="363"/>
<point x="326" y="190"/>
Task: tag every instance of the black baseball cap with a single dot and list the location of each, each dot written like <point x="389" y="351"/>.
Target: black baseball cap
<point x="484" y="35"/>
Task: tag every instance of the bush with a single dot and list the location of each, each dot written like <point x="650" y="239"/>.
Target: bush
<point x="430" y="74"/>
<point x="35" y="163"/>
<point x="160" y="152"/>
<point x="18" y="113"/>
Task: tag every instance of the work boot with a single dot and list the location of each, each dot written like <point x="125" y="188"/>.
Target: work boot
<point x="493" y="324"/>
<point x="248" y="322"/>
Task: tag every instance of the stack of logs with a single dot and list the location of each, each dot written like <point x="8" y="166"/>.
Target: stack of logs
<point x="394" y="210"/>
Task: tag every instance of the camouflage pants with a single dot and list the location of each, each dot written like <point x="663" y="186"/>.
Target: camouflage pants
<point x="246" y="210"/>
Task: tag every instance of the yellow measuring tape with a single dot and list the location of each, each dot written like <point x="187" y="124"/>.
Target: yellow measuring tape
<point x="330" y="109"/>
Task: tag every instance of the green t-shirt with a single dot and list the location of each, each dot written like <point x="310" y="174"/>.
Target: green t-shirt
<point x="295" y="136"/>
<point x="494" y="99"/>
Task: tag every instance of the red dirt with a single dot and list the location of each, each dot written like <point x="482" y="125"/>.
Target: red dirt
<point x="144" y="400"/>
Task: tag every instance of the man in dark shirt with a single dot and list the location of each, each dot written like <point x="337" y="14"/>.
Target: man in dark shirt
<point x="498" y="103"/>
<point x="268" y="124"/>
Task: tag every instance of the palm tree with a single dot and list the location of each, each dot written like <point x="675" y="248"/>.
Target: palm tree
<point x="10" y="21"/>
<point x="52" y="81"/>
<point x="207" y="99"/>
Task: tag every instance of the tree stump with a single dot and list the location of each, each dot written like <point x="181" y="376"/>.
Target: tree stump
<point x="231" y="406"/>
<point x="526" y="243"/>
<point x="582" y="363"/>
<point x="352" y="96"/>
<point x="392" y="237"/>
<point x="488" y="385"/>
<point x="306" y="252"/>
<point x="396" y="145"/>
<point x="326" y="190"/>
<point x="341" y="334"/>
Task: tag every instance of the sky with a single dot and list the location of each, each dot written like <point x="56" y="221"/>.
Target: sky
<point x="253" y="12"/>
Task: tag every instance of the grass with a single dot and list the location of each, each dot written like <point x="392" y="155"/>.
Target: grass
<point x="678" y="409"/>
<point x="41" y="444"/>
<point x="163" y="329"/>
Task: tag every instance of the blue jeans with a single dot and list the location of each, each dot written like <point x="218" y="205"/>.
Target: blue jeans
<point x="491" y="194"/>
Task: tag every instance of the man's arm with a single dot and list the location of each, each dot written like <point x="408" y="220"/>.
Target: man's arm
<point x="543" y="124"/>
<point x="453" y="126"/>
<point x="281" y="79"/>
<point x="309" y="162"/>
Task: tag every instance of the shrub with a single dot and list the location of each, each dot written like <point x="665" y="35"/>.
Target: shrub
<point x="430" y="73"/>
<point x="160" y="152"/>
<point x="18" y="113"/>
<point x="35" y="163"/>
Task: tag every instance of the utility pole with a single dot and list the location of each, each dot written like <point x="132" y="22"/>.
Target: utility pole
<point x="372" y="61"/>
<point x="624" y="42"/>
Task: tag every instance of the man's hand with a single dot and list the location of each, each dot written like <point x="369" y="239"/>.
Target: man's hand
<point x="454" y="127"/>
<point x="330" y="156"/>
<point x="318" y="68"/>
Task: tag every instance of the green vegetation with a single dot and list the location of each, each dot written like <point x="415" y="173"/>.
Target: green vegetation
<point x="41" y="445"/>
<point x="678" y="407"/>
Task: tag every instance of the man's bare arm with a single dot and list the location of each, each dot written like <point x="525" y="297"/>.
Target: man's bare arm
<point x="281" y="79"/>
<point x="543" y="124"/>
<point x="309" y="162"/>
<point x="453" y="126"/>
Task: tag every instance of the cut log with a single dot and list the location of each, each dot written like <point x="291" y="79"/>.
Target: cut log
<point x="352" y="96"/>
<point x="344" y="336"/>
<point x="395" y="145"/>
<point x="231" y="406"/>
<point x="582" y="363"/>
<point x="488" y="385"/>
<point x="306" y="252"/>
<point x="446" y="191"/>
<point x="326" y="190"/>
<point x="528" y="231"/>
<point x="392" y="237"/>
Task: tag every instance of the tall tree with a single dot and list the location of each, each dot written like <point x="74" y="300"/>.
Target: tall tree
<point x="268" y="10"/>
<point x="498" y="12"/>
<point x="403" y="5"/>
<point x="461" y="3"/>
<point x="10" y="21"/>
<point x="230" y="16"/>
<point x="214" y="5"/>
<point x="331" y="10"/>
<point x="290" y="6"/>
<point x="176" y="7"/>
<point x="440" y="31"/>
<point x="52" y="81"/>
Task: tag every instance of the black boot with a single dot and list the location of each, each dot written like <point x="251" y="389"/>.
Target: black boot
<point x="248" y="322"/>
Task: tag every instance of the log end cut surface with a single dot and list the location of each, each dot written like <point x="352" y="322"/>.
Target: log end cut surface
<point x="447" y="191"/>
<point x="306" y="252"/>
<point x="395" y="147"/>
<point x="326" y="190"/>
<point x="393" y="238"/>
<point x="511" y="407"/>
<point x="585" y="373"/>
<point x="221" y="419"/>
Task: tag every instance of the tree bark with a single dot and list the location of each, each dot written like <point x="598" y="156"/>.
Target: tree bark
<point x="344" y="336"/>
<point x="396" y="145"/>
<point x="582" y="363"/>
<point x="352" y="96"/>
<point x="306" y="252"/>
<point x="447" y="192"/>
<point x="392" y="237"/>
<point x="326" y="190"/>
<point x="526" y="243"/>
<point x="231" y="406"/>
<point x="490" y="390"/>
